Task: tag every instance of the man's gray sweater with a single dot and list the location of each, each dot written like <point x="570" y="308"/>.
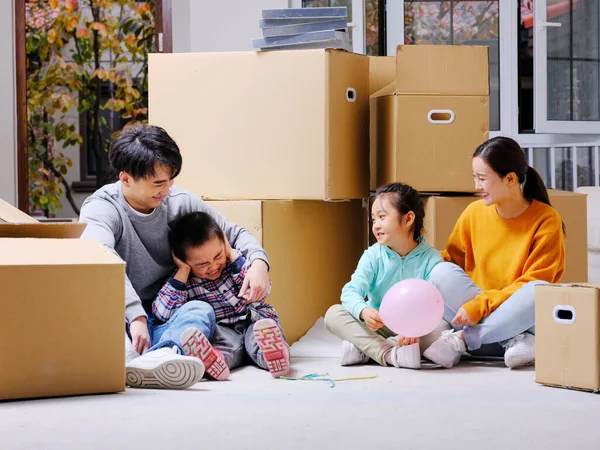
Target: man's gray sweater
<point x="142" y="240"/>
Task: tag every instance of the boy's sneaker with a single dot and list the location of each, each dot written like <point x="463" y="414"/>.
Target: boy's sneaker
<point x="408" y="356"/>
<point x="275" y="350"/>
<point x="164" y="368"/>
<point x="446" y="350"/>
<point x="352" y="356"/>
<point x="520" y="350"/>
<point x="196" y="344"/>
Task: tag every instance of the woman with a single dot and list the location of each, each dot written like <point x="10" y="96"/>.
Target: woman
<point x="501" y="247"/>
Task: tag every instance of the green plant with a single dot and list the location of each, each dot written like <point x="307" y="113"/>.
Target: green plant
<point x="75" y="48"/>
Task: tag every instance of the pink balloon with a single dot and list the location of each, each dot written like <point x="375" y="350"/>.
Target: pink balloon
<point x="412" y="308"/>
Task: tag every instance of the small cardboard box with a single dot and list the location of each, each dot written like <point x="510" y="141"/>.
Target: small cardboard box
<point x="442" y="212"/>
<point x="567" y="347"/>
<point x="266" y="125"/>
<point x="426" y="125"/>
<point x="313" y="247"/>
<point x="63" y="310"/>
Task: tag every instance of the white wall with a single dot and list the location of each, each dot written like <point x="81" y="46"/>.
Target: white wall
<point x="8" y="133"/>
<point x="219" y="26"/>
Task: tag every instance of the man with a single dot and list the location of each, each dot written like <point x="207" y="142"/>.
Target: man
<point x="132" y="218"/>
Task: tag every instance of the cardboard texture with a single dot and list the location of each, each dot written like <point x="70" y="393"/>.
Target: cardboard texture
<point x="567" y="347"/>
<point x="426" y="125"/>
<point x="313" y="247"/>
<point x="442" y="70"/>
<point x="15" y="223"/>
<point x="278" y="125"/>
<point x="382" y="73"/>
<point x="441" y="214"/>
<point x="64" y="303"/>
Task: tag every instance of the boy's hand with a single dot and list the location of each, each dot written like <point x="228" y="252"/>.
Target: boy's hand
<point x="139" y="335"/>
<point x="232" y="255"/>
<point x="406" y="341"/>
<point x="371" y="318"/>
<point x="183" y="269"/>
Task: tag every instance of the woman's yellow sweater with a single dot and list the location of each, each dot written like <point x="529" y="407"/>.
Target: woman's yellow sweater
<point x="501" y="255"/>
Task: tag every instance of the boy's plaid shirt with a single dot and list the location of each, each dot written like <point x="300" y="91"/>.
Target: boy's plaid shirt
<point x="221" y="294"/>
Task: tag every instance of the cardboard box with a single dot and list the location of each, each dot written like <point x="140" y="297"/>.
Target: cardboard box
<point x="441" y="215"/>
<point x="63" y="311"/>
<point x="313" y="247"/>
<point x="430" y="121"/>
<point x="382" y="73"/>
<point x="442" y="212"/>
<point x="567" y="324"/>
<point x="277" y="125"/>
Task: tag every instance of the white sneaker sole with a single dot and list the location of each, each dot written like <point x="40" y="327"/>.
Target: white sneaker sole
<point x="179" y="374"/>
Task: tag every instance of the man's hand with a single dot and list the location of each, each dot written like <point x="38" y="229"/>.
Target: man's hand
<point x="462" y="319"/>
<point x="406" y="341"/>
<point x="139" y="335"/>
<point x="371" y="318"/>
<point x="256" y="282"/>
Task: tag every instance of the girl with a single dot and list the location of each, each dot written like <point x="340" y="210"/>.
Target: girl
<point x="400" y="253"/>
<point x="501" y="247"/>
<point x="209" y="270"/>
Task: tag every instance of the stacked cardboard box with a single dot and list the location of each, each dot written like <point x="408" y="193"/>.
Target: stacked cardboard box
<point x="63" y="310"/>
<point x="426" y="123"/>
<point x="279" y="142"/>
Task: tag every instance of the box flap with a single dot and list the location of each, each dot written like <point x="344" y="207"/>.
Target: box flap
<point x="10" y="214"/>
<point x="390" y="89"/>
<point x="442" y="69"/>
<point x="54" y="252"/>
<point x="42" y="230"/>
<point x="382" y="72"/>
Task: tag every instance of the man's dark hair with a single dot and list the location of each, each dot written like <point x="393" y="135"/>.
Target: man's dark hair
<point x="139" y="148"/>
<point x="192" y="230"/>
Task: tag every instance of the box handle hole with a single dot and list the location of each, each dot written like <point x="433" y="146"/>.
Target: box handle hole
<point x="440" y="116"/>
<point x="564" y="314"/>
<point x="351" y="94"/>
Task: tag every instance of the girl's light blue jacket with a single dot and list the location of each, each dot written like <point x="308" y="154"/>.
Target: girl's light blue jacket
<point x="380" y="268"/>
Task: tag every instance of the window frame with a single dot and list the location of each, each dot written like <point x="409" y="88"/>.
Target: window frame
<point x="540" y="76"/>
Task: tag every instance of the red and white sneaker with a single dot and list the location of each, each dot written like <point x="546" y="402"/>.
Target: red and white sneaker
<point x="196" y="344"/>
<point x="275" y="351"/>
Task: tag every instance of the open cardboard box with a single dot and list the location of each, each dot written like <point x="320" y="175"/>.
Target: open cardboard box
<point x="63" y="310"/>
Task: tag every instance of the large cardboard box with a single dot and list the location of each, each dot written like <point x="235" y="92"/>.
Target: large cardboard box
<point x="567" y="347"/>
<point x="442" y="212"/>
<point x="382" y="73"/>
<point x="63" y="311"/>
<point x="266" y="125"/>
<point x="313" y="247"/>
<point x="430" y="121"/>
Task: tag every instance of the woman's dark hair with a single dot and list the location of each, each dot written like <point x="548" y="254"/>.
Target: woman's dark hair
<point x="192" y="230"/>
<point x="139" y="148"/>
<point x="504" y="155"/>
<point x="404" y="199"/>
